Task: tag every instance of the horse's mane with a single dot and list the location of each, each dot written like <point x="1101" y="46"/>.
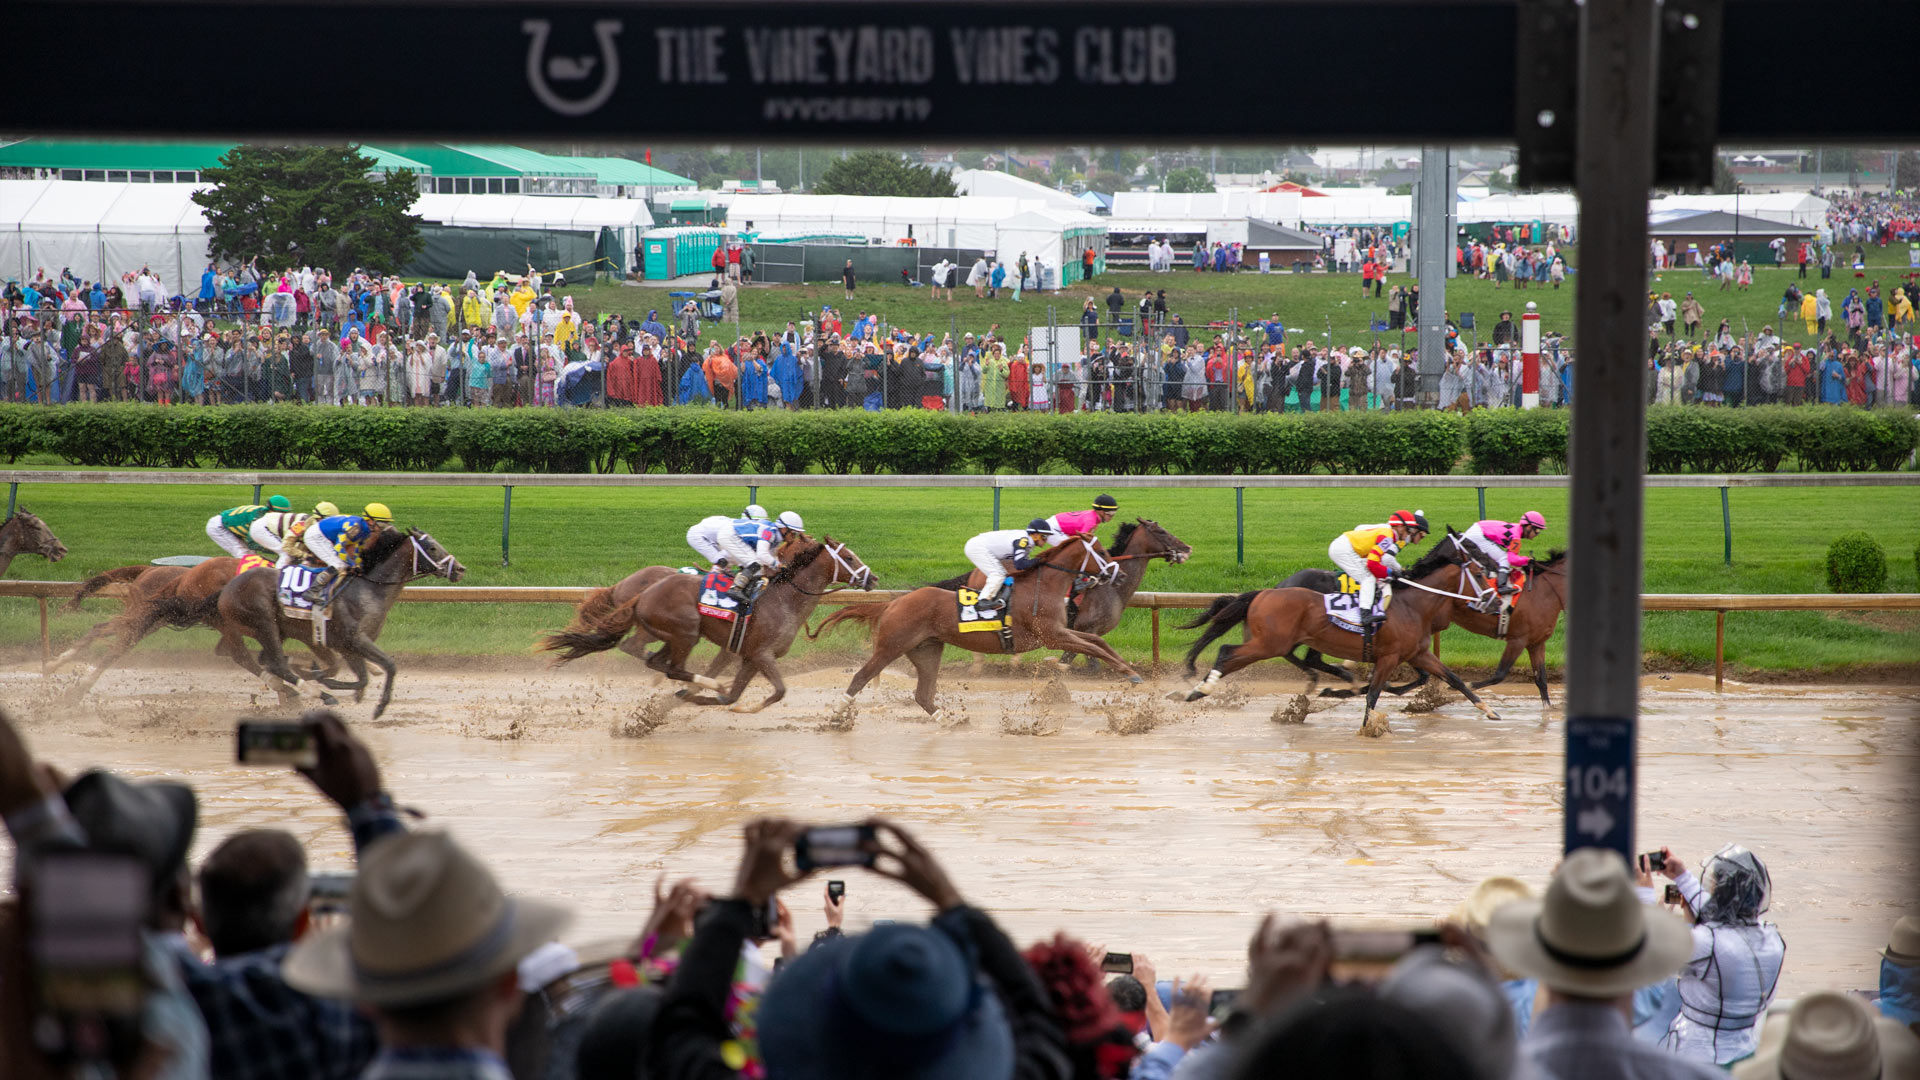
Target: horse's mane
<point x="1124" y="534"/>
<point x="383" y="546"/>
<point x="1086" y="545"/>
<point x="798" y="563"/>
<point x="1440" y="556"/>
<point x="1555" y="556"/>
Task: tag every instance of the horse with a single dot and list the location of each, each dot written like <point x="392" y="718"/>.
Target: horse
<point x="250" y="605"/>
<point x="1534" y="616"/>
<point x="668" y="611"/>
<point x="920" y="623"/>
<point x="1279" y="619"/>
<point x="25" y="533"/>
<point x="1098" y="609"/>
<point x="177" y="597"/>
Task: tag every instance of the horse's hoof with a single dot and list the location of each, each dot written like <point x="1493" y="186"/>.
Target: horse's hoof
<point x="1375" y="725"/>
<point x="1196" y="695"/>
<point x="328" y="699"/>
<point x="1135" y="680"/>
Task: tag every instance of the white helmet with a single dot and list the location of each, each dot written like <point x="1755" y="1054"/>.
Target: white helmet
<point x="756" y="512"/>
<point x="791" y="521"/>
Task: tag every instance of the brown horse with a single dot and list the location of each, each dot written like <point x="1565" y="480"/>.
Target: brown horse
<point x="1279" y="619"/>
<point x="1098" y="609"/>
<point x="920" y="623"/>
<point x="24" y="533"/>
<point x="668" y="612"/>
<point x="177" y="597"/>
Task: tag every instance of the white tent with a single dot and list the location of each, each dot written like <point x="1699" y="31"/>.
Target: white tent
<point x="965" y="221"/>
<point x="1056" y="238"/>
<point x="1786" y="207"/>
<point x="1552" y="207"/>
<point x="1278" y="207"/>
<point x="101" y="230"/>
<point x="1357" y="209"/>
<point x="566" y="212"/>
<point x="1009" y="186"/>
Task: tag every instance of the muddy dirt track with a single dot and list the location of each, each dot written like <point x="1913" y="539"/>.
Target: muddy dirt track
<point x="1151" y="826"/>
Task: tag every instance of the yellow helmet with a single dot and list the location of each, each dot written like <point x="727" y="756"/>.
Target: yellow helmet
<point x="325" y="509"/>
<point x="378" y="512"/>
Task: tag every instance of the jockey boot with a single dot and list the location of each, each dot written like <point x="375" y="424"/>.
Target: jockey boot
<point x="743" y="583"/>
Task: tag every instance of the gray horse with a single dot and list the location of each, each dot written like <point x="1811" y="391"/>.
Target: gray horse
<point x="23" y="532"/>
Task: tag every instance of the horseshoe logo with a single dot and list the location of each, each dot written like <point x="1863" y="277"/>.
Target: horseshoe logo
<point x="571" y="68"/>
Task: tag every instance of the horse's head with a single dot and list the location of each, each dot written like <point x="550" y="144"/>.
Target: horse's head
<point x="848" y="567"/>
<point x="1151" y="540"/>
<point x="26" y="532"/>
<point x="432" y="560"/>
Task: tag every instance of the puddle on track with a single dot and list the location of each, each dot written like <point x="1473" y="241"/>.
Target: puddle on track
<point x="1168" y="842"/>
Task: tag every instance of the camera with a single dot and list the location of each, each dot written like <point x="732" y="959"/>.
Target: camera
<point x="1117" y="963"/>
<point x="1380" y="946"/>
<point x="838" y="845"/>
<point x="836" y="891"/>
<point x="271" y="742"/>
<point x="766" y="918"/>
<point x="1219" y="1003"/>
<point x="1655" y="860"/>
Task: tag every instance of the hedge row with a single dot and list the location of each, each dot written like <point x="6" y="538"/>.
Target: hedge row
<point x="700" y="440"/>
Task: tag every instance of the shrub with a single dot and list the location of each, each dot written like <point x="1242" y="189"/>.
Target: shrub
<point x="1856" y="564"/>
<point x="1515" y="442"/>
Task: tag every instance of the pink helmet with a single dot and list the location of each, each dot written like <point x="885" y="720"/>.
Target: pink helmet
<point x="1533" y="518"/>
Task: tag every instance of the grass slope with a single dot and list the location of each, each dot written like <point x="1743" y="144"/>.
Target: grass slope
<point x="589" y="536"/>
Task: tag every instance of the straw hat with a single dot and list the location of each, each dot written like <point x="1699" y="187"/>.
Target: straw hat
<point x="429" y="922"/>
<point x="1591" y="936"/>
<point x="1833" y="1036"/>
<point x="1903" y="947"/>
<point x="1476" y="911"/>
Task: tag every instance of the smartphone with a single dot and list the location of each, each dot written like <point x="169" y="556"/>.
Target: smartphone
<point x="838" y="845"/>
<point x="1673" y="894"/>
<point x="1220" y="1003"/>
<point x="274" y="742"/>
<point x="1117" y="963"/>
<point x="1655" y="860"/>
<point x="87" y="910"/>
<point x="836" y="891"/>
<point x="330" y="886"/>
<point x="1380" y="946"/>
<point x="766" y="918"/>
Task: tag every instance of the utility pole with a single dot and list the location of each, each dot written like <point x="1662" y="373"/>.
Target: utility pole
<point x="756" y="166"/>
<point x="1433" y="247"/>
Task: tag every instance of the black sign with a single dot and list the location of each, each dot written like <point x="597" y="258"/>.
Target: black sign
<point x="1199" y="70"/>
<point x="1600" y="781"/>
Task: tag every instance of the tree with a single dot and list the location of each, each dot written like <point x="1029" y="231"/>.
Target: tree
<point x="313" y="205"/>
<point x="1400" y="189"/>
<point x="1189" y="179"/>
<point x="877" y="172"/>
<point x="1906" y="170"/>
<point x="1106" y="180"/>
<point x="1723" y="181"/>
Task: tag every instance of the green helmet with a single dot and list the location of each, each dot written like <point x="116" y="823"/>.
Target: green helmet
<point x="280" y="502"/>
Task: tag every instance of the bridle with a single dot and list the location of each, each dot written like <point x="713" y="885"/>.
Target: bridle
<point x="1468" y="580"/>
<point x="858" y="577"/>
<point x="1094" y="568"/>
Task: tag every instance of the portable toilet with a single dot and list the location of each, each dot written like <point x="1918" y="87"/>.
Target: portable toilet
<point x="657" y="254"/>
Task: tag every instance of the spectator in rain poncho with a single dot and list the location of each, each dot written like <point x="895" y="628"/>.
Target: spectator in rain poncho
<point x="786" y="374"/>
<point x="581" y="380"/>
<point x="1730" y="978"/>
<point x="753" y="379"/>
<point x="693" y="386"/>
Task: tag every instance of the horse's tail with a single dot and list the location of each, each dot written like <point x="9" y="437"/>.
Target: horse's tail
<point x="597" y="606"/>
<point x="591" y="634"/>
<point x="867" y="613"/>
<point x="182" y="612"/>
<point x="1226" y="613"/>
<point x="118" y="575"/>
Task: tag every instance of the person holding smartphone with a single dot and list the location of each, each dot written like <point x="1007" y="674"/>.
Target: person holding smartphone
<point x="1735" y="967"/>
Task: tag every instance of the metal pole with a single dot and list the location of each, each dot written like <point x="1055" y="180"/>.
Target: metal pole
<point x="1607" y="447"/>
<point x="1483" y="502"/>
<point x="753" y="493"/>
<point x="1240" y="525"/>
<point x="1726" y="525"/>
<point x="1719" y="648"/>
<point x="1156" y="637"/>
<point x="13" y="496"/>
<point x="256" y="494"/>
<point x="996" y="506"/>
<point x="506" y="520"/>
<point x="1433" y="248"/>
<point x="46" y="644"/>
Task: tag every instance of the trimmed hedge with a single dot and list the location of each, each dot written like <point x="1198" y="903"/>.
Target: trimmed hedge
<point x="1856" y="563"/>
<point x="705" y="440"/>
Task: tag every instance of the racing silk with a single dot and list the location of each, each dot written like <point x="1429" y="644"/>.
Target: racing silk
<point x="761" y="536"/>
<point x="1376" y="545"/>
<point x="1072" y="524"/>
<point x="1011" y="545"/>
<point x="272" y="531"/>
<point x="346" y="532"/>
<point x="1504" y="535"/>
<point x="240" y="519"/>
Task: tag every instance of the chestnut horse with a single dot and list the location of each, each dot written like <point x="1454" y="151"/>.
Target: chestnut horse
<point x="923" y="621"/>
<point x="668" y="611"/>
<point x="178" y="597"/>
<point x="1277" y="620"/>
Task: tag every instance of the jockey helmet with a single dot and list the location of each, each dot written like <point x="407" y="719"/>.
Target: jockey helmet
<point x="756" y="512"/>
<point x="280" y="502"/>
<point x="1532" y="520"/>
<point x="1415" y="520"/>
<point x="791" y="522"/>
<point x="324" y="508"/>
<point x="1106" y="502"/>
<point x="378" y="512"/>
<point x="1039" y="525"/>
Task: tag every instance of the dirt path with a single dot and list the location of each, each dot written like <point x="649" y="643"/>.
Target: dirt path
<point x="1158" y="827"/>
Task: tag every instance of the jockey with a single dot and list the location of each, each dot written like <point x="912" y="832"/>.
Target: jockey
<point x="1500" y="541"/>
<point x="704" y="537"/>
<point x="229" y="529"/>
<point x="750" y="544"/>
<point x="271" y="531"/>
<point x="1061" y="527"/>
<point x="1366" y="554"/>
<point x="999" y="555"/>
<point x="336" y="541"/>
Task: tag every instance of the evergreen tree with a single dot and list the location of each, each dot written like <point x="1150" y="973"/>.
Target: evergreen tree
<point x="310" y="205"/>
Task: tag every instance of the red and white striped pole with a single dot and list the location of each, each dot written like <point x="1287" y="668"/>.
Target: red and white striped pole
<point x="1530" y="358"/>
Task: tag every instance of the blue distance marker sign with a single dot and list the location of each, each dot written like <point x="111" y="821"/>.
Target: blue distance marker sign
<point x="1600" y="783"/>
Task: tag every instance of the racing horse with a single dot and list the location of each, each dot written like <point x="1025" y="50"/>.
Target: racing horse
<point x="1098" y="609"/>
<point x="249" y="605"/>
<point x="668" y="612"/>
<point x="177" y="597"/>
<point x="1532" y="620"/>
<point x="1277" y="620"/>
<point x="25" y="533"/>
<point x="919" y="624"/>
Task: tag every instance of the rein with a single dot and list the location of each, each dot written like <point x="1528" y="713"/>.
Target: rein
<point x="856" y="576"/>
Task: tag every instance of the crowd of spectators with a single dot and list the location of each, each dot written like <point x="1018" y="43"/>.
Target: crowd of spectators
<point x="1880" y="218"/>
<point x="118" y="959"/>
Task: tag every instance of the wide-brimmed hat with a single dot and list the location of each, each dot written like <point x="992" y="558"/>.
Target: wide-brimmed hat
<point x="899" y="1001"/>
<point x="1591" y="936"/>
<point x="1903" y="945"/>
<point x="153" y="821"/>
<point x="429" y="922"/>
<point x="1493" y="893"/>
<point x="1834" y="1036"/>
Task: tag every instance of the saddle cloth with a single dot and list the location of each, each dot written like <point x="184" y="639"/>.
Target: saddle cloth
<point x="1343" y="610"/>
<point x="298" y="597"/>
<point x="971" y="620"/>
<point x="250" y="561"/>
<point x="714" y="601"/>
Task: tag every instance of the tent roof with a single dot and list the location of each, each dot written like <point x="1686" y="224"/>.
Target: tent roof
<point x="82" y="206"/>
<point x="1718" y="222"/>
<point x="1097" y="198"/>
<point x="1160" y="226"/>
<point x="54" y="154"/>
<point x="1007" y="185"/>
<point x="569" y="212"/>
<point x="388" y="161"/>
<point x="628" y="172"/>
<point x="1210" y="206"/>
<point x="476" y="159"/>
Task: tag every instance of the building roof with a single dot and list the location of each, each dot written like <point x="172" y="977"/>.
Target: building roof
<point x="477" y="159"/>
<point x="628" y="172"/>
<point x="1718" y="223"/>
<point x="55" y="154"/>
<point x="1261" y="234"/>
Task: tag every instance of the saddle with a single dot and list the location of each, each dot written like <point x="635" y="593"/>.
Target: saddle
<point x="973" y="621"/>
<point x="715" y="603"/>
